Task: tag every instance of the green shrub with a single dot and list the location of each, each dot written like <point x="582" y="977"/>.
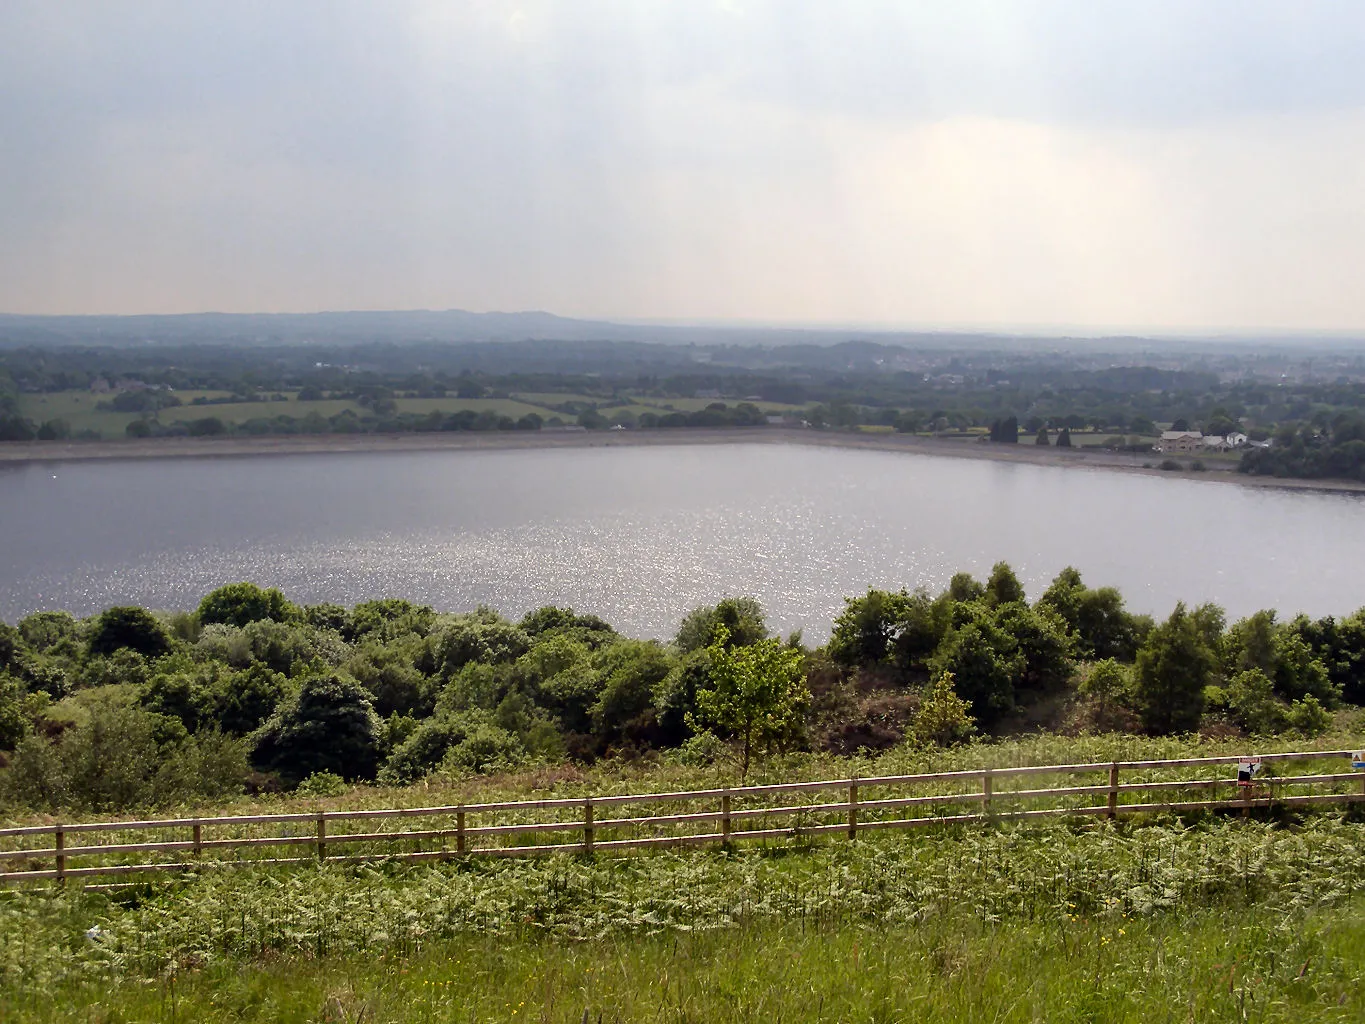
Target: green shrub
<point x="484" y="748"/>
<point x="238" y="604"/>
<point x="483" y="638"/>
<point x="121" y="759"/>
<point x="322" y="784"/>
<point x="1251" y="701"/>
<point x="423" y="749"/>
<point x="328" y="726"/>
<point x="13" y="721"/>
<point x="44" y="631"/>
<point x="129" y="627"/>
<point x="1309" y="717"/>
<point x="943" y="717"/>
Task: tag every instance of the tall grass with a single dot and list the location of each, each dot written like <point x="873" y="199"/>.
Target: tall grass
<point x="1162" y="918"/>
<point x="1254" y="966"/>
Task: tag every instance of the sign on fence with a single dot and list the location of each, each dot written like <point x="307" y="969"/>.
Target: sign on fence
<point x="1247" y="768"/>
<point x="1358" y="759"/>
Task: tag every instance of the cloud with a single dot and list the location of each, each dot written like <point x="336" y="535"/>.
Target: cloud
<point x="1157" y="163"/>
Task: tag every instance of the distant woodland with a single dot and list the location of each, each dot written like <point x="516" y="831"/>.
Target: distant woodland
<point x="1120" y="393"/>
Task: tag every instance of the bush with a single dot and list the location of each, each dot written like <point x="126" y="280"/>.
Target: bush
<point x="44" y="631"/>
<point x="328" y="726"/>
<point x="943" y="716"/>
<point x="237" y="604"/>
<point x="124" y="758"/>
<point x="129" y="627"/>
<point x="322" y="784"/>
<point x="422" y="750"/>
<point x="479" y="638"/>
<point x="13" y="721"/>
<point x="485" y="748"/>
<point x="1309" y="717"/>
<point x="1251" y="701"/>
<point x="1170" y="466"/>
<point x="242" y="701"/>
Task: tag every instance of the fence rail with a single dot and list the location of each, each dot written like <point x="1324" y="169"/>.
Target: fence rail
<point x="708" y="816"/>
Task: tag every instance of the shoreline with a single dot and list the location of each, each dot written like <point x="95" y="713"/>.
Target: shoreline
<point x="20" y="452"/>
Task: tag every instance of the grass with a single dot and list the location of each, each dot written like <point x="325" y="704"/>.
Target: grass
<point x="1159" y="918"/>
<point x="78" y="409"/>
<point x="697" y="404"/>
<point x="1216" y="921"/>
<point x="1255" y="967"/>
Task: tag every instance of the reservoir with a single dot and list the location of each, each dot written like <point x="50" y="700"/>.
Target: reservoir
<point x="641" y="535"/>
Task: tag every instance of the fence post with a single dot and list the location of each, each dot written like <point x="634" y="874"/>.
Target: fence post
<point x="322" y="835"/>
<point x="587" y="825"/>
<point x="198" y="839"/>
<point x="1113" y="790"/>
<point x="986" y="791"/>
<point x="59" y="836"/>
<point x="853" y="809"/>
<point x="459" y="831"/>
<point x="725" y="816"/>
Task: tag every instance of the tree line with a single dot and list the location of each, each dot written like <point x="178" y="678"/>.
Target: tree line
<point x="132" y="708"/>
<point x="840" y="386"/>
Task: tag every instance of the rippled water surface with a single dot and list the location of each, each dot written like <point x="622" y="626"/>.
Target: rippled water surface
<point x="640" y="535"/>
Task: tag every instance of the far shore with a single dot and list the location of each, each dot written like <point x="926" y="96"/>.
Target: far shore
<point x="13" y="452"/>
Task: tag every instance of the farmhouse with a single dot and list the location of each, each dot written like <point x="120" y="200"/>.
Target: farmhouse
<point x="1182" y="441"/>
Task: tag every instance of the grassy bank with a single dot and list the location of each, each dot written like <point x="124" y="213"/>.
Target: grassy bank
<point x="1208" y="967"/>
<point x="1161" y="918"/>
<point x="1165" y="921"/>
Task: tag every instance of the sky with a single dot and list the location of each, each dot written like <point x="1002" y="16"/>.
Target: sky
<point x="1095" y="164"/>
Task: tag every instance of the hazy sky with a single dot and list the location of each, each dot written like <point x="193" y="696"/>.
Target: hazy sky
<point x="1156" y="163"/>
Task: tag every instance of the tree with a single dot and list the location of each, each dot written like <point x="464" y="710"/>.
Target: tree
<point x="962" y="587"/>
<point x="943" y="716"/>
<point x="984" y="663"/>
<point x="131" y="627"/>
<point x="1173" y="667"/>
<point x="1003" y="587"/>
<point x="1251" y="699"/>
<point x="630" y="670"/>
<point x="757" y="692"/>
<point x="1043" y="641"/>
<point x="867" y="628"/>
<point x="13" y="721"/>
<point x="1006" y="431"/>
<point x="740" y="617"/>
<point x="328" y="726"/>
<point x="1064" y="438"/>
<point x="237" y="604"/>
<point x="481" y="637"/>
<point x="1042" y="438"/>
<point x="1105" y="684"/>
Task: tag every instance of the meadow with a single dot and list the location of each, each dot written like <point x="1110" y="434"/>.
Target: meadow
<point x="1197" y="917"/>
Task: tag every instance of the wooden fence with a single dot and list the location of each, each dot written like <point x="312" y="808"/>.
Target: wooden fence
<point x="609" y="823"/>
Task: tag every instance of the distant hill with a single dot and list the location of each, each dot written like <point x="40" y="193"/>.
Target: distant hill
<point x="458" y="326"/>
<point x="450" y="325"/>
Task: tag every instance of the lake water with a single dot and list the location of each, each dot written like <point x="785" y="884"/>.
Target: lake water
<point x="640" y="535"/>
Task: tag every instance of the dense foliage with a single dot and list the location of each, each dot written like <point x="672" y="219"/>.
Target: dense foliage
<point x="130" y="708"/>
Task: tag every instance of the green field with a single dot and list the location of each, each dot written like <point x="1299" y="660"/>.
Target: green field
<point x="1203" y="917"/>
<point x="697" y="404"/>
<point x="78" y="409"/>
